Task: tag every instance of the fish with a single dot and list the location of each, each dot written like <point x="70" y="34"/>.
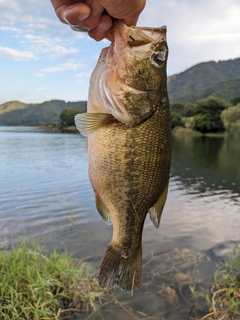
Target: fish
<point x="128" y="130"/>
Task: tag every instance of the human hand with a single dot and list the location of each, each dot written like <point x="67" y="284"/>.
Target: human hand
<point x="96" y="16"/>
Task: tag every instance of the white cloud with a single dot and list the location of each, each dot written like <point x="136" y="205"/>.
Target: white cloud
<point x="41" y="44"/>
<point x="80" y="35"/>
<point x="198" y="31"/>
<point x="65" y="67"/>
<point x="59" y="51"/>
<point x="15" y="54"/>
<point x="82" y="75"/>
<point x="40" y="75"/>
<point x="11" y="29"/>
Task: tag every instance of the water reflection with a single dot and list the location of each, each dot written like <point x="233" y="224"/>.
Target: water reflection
<point x="207" y="165"/>
<point x="45" y="194"/>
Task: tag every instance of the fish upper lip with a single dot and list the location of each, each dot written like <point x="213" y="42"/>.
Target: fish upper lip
<point x="153" y="29"/>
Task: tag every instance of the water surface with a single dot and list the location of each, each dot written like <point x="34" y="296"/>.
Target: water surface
<point x="45" y="194"/>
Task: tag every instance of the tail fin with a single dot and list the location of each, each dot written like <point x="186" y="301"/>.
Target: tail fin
<point x="118" y="270"/>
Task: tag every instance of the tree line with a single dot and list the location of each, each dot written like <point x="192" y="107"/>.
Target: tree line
<point x="206" y="115"/>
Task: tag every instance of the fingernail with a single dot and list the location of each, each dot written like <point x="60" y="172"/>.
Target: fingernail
<point x="82" y="17"/>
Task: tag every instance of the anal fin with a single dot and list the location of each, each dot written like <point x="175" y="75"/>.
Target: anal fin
<point x="156" y="211"/>
<point x="102" y="209"/>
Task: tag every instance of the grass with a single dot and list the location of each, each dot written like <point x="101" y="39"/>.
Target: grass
<point x="39" y="286"/>
<point x="225" y="293"/>
<point x="35" y="286"/>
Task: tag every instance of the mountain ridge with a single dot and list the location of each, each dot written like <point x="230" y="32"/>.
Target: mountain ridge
<point x="201" y="81"/>
<point x="14" y="113"/>
<point x="185" y="86"/>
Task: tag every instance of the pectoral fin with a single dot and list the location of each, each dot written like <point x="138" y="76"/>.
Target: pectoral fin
<point x="102" y="209"/>
<point x="156" y="211"/>
<point x="87" y="123"/>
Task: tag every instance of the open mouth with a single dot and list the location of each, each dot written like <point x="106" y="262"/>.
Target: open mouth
<point x="138" y="36"/>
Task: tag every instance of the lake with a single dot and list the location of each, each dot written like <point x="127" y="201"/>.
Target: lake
<point x="45" y="194"/>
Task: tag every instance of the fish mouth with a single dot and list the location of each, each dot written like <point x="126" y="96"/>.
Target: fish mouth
<point x="137" y="36"/>
<point x="143" y="35"/>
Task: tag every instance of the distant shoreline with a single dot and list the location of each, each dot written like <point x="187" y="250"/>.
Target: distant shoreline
<point x="58" y="127"/>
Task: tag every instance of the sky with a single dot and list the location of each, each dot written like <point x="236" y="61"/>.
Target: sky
<point x="42" y="59"/>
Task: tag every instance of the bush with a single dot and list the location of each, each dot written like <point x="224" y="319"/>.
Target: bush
<point x="190" y="110"/>
<point x="176" y="119"/>
<point x="235" y="101"/>
<point x="185" y="110"/>
<point x="67" y="116"/>
<point x="230" y="116"/>
<point x="177" y="107"/>
<point x="231" y="120"/>
<point x="212" y="108"/>
<point x="202" y="123"/>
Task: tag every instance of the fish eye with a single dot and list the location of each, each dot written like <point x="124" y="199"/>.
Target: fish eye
<point x="159" y="58"/>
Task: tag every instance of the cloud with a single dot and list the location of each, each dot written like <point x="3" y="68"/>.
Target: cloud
<point x="80" y="76"/>
<point x="59" y="51"/>
<point x="40" y="75"/>
<point x="65" y="67"/>
<point x="11" y="29"/>
<point x="40" y="44"/>
<point x="197" y="31"/>
<point x="15" y="54"/>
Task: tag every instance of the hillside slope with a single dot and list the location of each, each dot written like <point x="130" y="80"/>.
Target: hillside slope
<point x="192" y="83"/>
<point x="15" y="113"/>
<point x="220" y="79"/>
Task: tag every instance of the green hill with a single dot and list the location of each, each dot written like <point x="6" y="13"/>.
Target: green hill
<point x="204" y="80"/>
<point x="220" y="79"/>
<point x="16" y="113"/>
<point x="226" y="90"/>
<point x="11" y="106"/>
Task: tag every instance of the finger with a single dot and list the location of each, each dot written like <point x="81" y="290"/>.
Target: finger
<point x="73" y="14"/>
<point x="130" y="21"/>
<point x="102" y="29"/>
<point x="110" y="35"/>
<point x="94" y="18"/>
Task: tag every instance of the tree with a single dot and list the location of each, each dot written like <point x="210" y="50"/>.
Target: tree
<point x="67" y="116"/>
<point x="212" y="108"/>
<point x="189" y="110"/>
<point x="202" y="123"/>
<point x="176" y="119"/>
<point x="185" y="110"/>
<point x="235" y="101"/>
<point x="231" y="116"/>
<point x="177" y="107"/>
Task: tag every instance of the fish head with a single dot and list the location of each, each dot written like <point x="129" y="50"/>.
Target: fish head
<point x="131" y="74"/>
<point x="140" y="56"/>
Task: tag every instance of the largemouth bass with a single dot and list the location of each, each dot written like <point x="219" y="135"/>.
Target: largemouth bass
<point x="128" y="131"/>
